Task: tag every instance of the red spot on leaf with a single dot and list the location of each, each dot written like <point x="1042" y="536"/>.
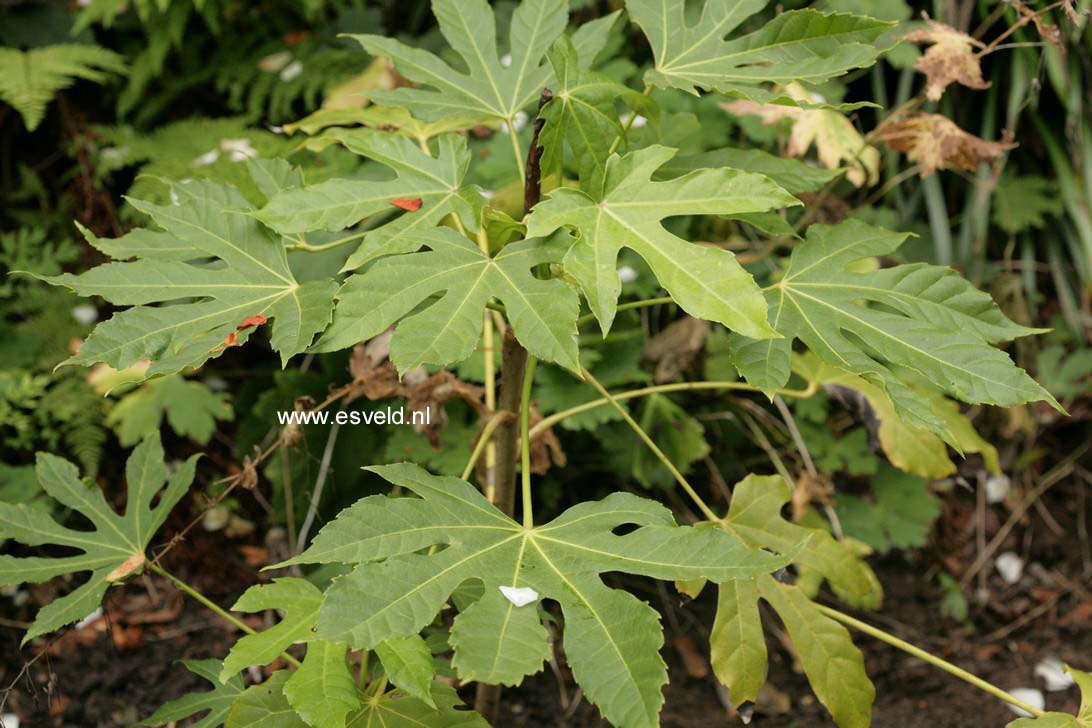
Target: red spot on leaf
<point x="231" y="339"/>
<point x="250" y="321"/>
<point x="406" y="204"/>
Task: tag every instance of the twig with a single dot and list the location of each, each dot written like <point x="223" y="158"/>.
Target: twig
<point x="320" y="483"/>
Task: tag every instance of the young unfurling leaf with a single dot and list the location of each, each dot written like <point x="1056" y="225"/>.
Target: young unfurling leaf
<point x="112" y="551"/>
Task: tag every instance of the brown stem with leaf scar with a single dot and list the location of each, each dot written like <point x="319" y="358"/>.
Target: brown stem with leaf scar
<point x="513" y="366"/>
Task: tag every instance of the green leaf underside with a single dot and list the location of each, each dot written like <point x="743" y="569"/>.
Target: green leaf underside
<point x="322" y="691"/>
<point x="799" y="45"/>
<point x="918" y="317"/>
<point x="299" y="599"/>
<point x="624" y="208"/>
<point x="542" y="312"/>
<point x="208" y="301"/>
<point x="612" y="638"/>
<point x="396" y="710"/>
<point x="190" y="408"/>
<point x="408" y="663"/>
<point x="792" y="174"/>
<point x="337" y="204"/>
<point x="115" y="539"/>
<point x="265" y="706"/>
<point x="217" y="701"/>
<point x="485" y="85"/>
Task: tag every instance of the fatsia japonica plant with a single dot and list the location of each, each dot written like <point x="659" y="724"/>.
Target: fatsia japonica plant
<point x="447" y="566"/>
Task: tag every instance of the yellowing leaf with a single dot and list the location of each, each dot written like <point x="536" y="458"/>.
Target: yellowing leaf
<point x="834" y="136"/>
<point x="911" y="449"/>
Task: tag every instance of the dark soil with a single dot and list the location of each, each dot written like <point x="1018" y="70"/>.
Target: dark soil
<point x="120" y="670"/>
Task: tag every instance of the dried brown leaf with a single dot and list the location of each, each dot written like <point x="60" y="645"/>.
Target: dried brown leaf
<point x="951" y="59"/>
<point x="935" y="142"/>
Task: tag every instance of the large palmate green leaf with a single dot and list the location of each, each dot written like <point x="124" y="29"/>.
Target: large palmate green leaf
<point x="486" y="84"/>
<point x="340" y="203"/>
<point x="622" y="207"/>
<point x="800" y="45"/>
<point x="112" y="551"/>
<point x="217" y="701"/>
<point x="612" y="639"/>
<point x="920" y="318"/>
<point x="210" y="301"/>
<point x="542" y="312"/>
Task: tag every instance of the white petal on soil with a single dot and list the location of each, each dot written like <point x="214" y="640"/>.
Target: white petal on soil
<point x="997" y="488"/>
<point x="1031" y="696"/>
<point x="9" y="720"/>
<point x="1010" y="567"/>
<point x="627" y="274"/>
<point x="1052" y="670"/>
<point x="521" y="596"/>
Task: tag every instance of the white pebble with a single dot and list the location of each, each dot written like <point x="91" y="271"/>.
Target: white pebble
<point x="1010" y="567"/>
<point x="9" y="720"/>
<point x="521" y="596"/>
<point x="1031" y="696"/>
<point x="997" y="488"/>
<point x="1054" y="674"/>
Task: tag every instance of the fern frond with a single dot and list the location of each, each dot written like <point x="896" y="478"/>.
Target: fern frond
<point x="29" y="79"/>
